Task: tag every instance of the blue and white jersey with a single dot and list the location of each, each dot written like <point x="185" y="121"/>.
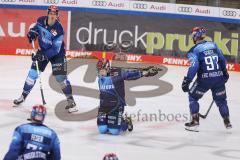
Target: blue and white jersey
<point x="112" y="91"/>
<point x="207" y="61"/>
<point x="50" y="38"/>
<point x="34" y="141"/>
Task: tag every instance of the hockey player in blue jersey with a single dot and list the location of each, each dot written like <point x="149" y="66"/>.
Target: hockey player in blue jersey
<point x="112" y="96"/>
<point x="50" y="34"/>
<point x="208" y="62"/>
<point x="34" y="141"/>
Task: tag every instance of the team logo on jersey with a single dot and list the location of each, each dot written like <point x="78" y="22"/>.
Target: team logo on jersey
<point x="54" y="32"/>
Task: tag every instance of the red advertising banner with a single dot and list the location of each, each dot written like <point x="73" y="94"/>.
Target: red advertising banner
<point x="126" y="57"/>
<point x="14" y="26"/>
<point x="155" y="59"/>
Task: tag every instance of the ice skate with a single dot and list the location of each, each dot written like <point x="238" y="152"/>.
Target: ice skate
<point x="71" y="105"/>
<point x="194" y="124"/>
<point x="19" y="101"/>
<point x="129" y="123"/>
<point x="227" y="123"/>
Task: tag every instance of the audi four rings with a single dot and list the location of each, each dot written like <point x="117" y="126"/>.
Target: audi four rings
<point x="185" y="9"/>
<point x="51" y="1"/>
<point x="99" y="3"/>
<point x="229" y="13"/>
<point x="8" y="0"/>
<point x="140" y="6"/>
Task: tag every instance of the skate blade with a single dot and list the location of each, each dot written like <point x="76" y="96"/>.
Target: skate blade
<point x="192" y="129"/>
<point x="130" y="129"/>
<point x="16" y="105"/>
<point x="67" y="108"/>
<point x="229" y="127"/>
<point x="72" y="110"/>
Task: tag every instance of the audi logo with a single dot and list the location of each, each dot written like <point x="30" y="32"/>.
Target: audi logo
<point x="51" y="1"/>
<point x="185" y="9"/>
<point x="99" y="3"/>
<point x="229" y="13"/>
<point x="140" y="6"/>
<point x="8" y="0"/>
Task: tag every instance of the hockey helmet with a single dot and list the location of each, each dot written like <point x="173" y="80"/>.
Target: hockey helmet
<point x="38" y="113"/>
<point x="198" y="33"/>
<point x="53" y="8"/>
<point x="110" y="156"/>
<point x="103" y="64"/>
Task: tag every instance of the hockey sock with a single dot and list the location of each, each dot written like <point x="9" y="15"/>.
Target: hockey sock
<point x="223" y="108"/>
<point x="29" y="82"/>
<point x="65" y="85"/>
<point x="193" y="105"/>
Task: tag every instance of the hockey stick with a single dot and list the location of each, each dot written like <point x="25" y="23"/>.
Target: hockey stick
<point x="39" y="76"/>
<point x="206" y="114"/>
<point x="158" y="69"/>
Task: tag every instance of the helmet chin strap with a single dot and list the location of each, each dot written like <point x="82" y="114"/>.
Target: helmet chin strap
<point x="194" y="41"/>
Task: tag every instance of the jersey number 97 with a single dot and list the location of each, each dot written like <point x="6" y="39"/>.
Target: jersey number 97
<point x="211" y="63"/>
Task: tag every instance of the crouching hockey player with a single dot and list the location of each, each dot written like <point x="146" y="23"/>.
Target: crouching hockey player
<point x="112" y="96"/>
<point x="49" y="32"/>
<point x="34" y="140"/>
<point x="208" y="62"/>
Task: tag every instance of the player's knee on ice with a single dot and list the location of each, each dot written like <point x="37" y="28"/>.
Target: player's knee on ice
<point x="114" y="131"/>
<point x="102" y="129"/>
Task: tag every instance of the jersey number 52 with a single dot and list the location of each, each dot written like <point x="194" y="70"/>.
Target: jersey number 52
<point x="211" y="62"/>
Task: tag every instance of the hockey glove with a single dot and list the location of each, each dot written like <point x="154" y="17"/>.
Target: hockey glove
<point x="149" y="71"/>
<point x="226" y="75"/>
<point x="185" y="84"/>
<point x="32" y="35"/>
<point x="39" y="56"/>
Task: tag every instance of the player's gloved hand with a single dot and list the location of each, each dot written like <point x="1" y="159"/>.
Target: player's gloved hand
<point x="32" y="35"/>
<point x="185" y="84"/>
<point x="149" y="71"/>
<point x="147" y="68"/>
<point x="226" y="75"/>
<point x="39" y="56"/>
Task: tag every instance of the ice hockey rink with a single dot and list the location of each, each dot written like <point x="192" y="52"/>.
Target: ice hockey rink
<point x="150" y="140"/>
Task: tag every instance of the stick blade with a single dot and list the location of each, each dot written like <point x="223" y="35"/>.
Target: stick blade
<point x="202" y="116"/>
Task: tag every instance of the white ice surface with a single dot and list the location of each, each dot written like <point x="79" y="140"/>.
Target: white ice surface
<point x="149" y="140"/>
